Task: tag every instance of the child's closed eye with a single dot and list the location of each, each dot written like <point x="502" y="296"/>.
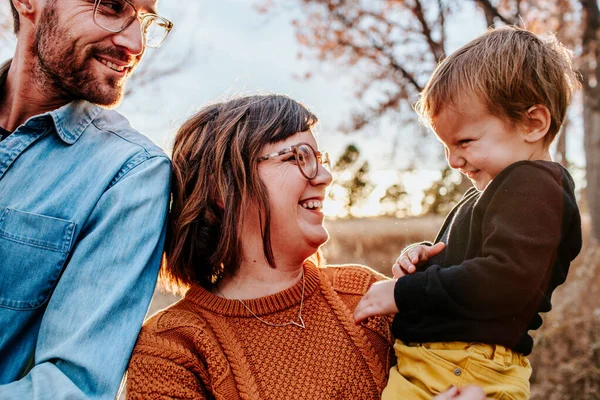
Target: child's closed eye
<point x="290" y="158"/>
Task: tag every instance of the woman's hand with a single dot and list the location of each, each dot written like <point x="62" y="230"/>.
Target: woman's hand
<point x="409" y="260"/>
<point x="470" y="392"/>
<point x="378" y="300"/>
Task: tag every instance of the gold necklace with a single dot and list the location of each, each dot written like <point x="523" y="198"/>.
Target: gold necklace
<point x="292" y="322"/>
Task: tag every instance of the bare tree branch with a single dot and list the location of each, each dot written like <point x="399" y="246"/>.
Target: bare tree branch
<point x="150" y="69"/>
<point x="442" y="23"/>
<point x="434" y="46"/>
<point x="492" y="13"/>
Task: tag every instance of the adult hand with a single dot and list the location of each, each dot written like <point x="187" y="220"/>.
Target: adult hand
<point x="378" y="300"/>
<point x="409" y="260"/>
<point x="470" y="392"/>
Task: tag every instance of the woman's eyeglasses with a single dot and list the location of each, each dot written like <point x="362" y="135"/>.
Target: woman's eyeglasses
<point x="307" y="159"/>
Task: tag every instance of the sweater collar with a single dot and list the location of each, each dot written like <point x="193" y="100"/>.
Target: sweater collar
<point x="260" y="306"/>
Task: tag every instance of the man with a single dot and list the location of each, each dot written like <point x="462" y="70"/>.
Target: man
<point x="83" y="198"/>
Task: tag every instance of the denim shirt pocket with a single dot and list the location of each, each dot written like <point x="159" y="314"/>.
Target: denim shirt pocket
<point x="34" y="247"/>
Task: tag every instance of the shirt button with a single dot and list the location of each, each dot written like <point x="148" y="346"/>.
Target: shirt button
<point x="457" y="371"/>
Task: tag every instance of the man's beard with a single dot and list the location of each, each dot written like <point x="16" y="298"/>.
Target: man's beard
<point x="68" y="71"/>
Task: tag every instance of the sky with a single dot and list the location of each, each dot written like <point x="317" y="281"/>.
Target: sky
<point x="233" y="49"/>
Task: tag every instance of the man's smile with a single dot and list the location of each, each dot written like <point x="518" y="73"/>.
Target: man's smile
<point x="115" y="65"/>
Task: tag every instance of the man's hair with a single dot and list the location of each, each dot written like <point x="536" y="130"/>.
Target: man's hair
<point x="510" y="70"/>
<point x="214" y="181"/>
<point x="15" y="13"/>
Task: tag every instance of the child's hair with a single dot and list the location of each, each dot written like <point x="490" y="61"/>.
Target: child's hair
<point x="215" y="179"/>
<point x="510" y="70"/>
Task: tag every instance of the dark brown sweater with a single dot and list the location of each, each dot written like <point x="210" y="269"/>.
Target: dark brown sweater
<point x="208" y="347"/>
<point x="507" y="249"/>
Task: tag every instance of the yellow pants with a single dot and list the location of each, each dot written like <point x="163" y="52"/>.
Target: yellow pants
<point x="426" y="369"/>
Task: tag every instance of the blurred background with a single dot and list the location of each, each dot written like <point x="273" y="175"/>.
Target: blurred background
<point x="359" y="65"/>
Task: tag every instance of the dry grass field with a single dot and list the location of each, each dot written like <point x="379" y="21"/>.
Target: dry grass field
<point x="376" y="242"/>
<point x="566" y="357"/>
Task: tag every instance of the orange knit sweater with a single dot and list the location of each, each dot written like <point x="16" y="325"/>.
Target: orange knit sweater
<point x="206" y="346"/>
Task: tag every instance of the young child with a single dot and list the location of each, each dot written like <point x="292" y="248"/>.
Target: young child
<point x="465" y="304"/>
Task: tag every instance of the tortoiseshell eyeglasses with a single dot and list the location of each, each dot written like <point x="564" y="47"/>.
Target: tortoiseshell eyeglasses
<point x="307" y="159"/>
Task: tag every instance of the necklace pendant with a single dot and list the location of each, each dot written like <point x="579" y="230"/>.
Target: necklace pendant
<point x="299" y="325"/>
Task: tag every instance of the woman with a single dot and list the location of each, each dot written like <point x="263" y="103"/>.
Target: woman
<point x="261" y="317"/>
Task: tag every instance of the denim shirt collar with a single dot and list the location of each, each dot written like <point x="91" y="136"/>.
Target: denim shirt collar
<point x="69" y="120"/>
<point x="72" y="119"/>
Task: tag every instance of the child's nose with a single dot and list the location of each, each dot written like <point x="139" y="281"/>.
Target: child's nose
<point x="454" y="160"/>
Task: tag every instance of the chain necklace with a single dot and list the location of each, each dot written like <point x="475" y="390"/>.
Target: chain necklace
<point x="292" y="322"/>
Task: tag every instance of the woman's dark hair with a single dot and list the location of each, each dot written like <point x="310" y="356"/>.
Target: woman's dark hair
<point x="215" y="178"/>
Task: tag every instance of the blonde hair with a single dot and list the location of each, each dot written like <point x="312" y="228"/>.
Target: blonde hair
<point x="510" y="70"/>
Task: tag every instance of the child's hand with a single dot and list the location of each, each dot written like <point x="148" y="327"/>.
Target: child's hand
<point x="378" y="300"/>
<point x="470" y="392"/>
<point x="408" y="261"/>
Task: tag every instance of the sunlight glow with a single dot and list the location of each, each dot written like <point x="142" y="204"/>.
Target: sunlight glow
<point x="414" y="183"/>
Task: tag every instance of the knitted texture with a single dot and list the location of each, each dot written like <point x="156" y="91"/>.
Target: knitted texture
<point x="206" y="346"/>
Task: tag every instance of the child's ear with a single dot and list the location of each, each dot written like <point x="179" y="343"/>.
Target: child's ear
<point x="537" y="124"/>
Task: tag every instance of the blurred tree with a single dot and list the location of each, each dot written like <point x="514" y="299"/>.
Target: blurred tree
<point x="358" y="187"/>
<point x="444" y="193"/>
<point x="157" y="65"/>
<point x="353" y="177"/>
<point x="347" y="159"/>
<point x="396" y="201"/>
<point x="561" y="145"/>
<point x="590" y="72"/>
<point x="392" y="46"/>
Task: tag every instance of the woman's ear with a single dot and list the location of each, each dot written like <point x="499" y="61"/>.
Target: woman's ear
<point x="537" y="124"/>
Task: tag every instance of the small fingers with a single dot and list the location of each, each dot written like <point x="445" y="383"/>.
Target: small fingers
<point x="397" y="271"/>
<point x="434" y="250"/>
<point x="361" y="312"/>
<point x="406" y="264"/>
<point x="471" y="392"/>
<point x="449" y="394"/>
<point x="358" y="317"/>
<point x="378" y="300"/>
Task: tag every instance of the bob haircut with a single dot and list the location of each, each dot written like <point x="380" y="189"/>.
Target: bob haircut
<point x="510" y="70"/>
<point x="215" y="179"/>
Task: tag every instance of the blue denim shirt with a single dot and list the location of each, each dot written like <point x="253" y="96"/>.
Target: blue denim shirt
<point x="83" y="203"/>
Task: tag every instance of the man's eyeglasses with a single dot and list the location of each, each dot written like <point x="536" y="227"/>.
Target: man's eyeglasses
<point x="116" y="15"/>
<point x="307" y="158"/>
